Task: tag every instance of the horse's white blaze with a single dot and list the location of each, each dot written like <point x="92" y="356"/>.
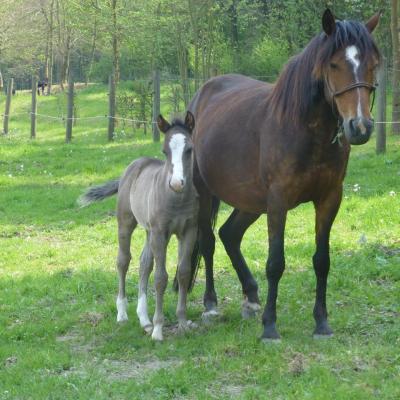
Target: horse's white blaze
<point x="141" y="311"/>
<point x="122" y="305"/>
<point x="353" y="57"/>
<point x="177" y="145"/>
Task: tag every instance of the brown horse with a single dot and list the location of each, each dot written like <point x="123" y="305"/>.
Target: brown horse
<point x="267" y="148"/>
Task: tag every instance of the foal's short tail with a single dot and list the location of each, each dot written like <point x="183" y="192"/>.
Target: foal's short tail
<point x="97" y="193"/>
<point x="196" y="255"/>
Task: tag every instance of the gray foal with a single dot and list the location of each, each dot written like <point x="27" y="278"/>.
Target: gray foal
<point x="160" y="196"/>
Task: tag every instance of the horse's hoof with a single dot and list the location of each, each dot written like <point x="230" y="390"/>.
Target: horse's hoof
<point x="322" y="331"/>
<point x="157" y="334"/>
<point x="148" y="329"/>
<point x="249" y="310"/>
<point x="122" y="317"/>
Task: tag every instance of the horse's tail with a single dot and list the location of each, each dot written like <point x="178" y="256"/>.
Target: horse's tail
<point x="97" y="193"/>
<point x="196" y="254"/>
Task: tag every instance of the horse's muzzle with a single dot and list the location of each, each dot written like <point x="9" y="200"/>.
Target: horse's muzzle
<point x="358" y="130"/>
<point x="177" y="185"/>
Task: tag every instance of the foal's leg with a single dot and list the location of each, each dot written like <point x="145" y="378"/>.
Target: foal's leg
<point x="186" y="244"/>
<point x="231" y="234"/>
<point x="275" y="267"/>
<point x="126" y="225"/>
<point x="146" y="266"/>
<point x="326" y="211"/>
<point x="158" y="243"/>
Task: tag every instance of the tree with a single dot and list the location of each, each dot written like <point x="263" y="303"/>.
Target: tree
<point x="396" y="68"/>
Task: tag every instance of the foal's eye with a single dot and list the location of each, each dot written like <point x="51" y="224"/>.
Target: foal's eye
<point x="188" y="150"/>
<point x="164" y="152"/>
<point x="334" y="66"/>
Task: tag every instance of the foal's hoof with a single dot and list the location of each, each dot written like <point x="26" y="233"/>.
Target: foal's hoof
<point x="249" y="310"/>
<point x="157" y="334"/>
<point x="122" y="317"/>
<point x="148" y="329"/>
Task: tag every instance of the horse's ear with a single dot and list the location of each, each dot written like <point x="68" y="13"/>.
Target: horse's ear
<point x="189" y="121"/>
<point x="328" y="22"/>
<point x="162" y="124"/>
<point x="373" y="21"/>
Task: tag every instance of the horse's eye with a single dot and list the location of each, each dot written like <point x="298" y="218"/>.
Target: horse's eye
<point x="165" y="153"/>
<point x="188" y="150"/>
<point x="334" y="66"/>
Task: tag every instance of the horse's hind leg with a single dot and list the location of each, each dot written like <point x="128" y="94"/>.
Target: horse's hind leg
<point x="231" y="234"/>
<point x="146" y="266"/>
<point x="186" y="244"/>
<point x="158" y="243"/>
<point x="126" y="225"/>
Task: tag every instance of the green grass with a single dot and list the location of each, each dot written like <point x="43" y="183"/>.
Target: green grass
<point x="58" y="333"/>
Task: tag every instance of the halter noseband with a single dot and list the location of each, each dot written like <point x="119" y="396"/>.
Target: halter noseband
<point x="354" y="86"/>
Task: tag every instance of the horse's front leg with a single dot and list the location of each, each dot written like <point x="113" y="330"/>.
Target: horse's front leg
<point x="275" y="267"/>
<point x="158" y="243"/>
<point x="326" y="210"/>
<point x="186" y="244"/>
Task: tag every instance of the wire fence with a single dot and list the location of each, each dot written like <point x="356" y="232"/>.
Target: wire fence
<point x="125" y="115"/>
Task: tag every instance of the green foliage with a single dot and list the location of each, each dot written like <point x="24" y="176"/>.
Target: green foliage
<point x="58" y="334"/>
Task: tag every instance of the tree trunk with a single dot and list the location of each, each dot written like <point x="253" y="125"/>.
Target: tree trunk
<point x="93" y="50"/>
<point x="396" y="69"/>
<point x="115" y="42"/>
<point x="51" y="50"/>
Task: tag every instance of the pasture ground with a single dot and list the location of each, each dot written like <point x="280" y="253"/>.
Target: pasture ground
<point x="58" y="333"/>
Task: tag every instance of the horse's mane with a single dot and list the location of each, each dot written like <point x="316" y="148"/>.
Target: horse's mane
<point x="301" y="82"/>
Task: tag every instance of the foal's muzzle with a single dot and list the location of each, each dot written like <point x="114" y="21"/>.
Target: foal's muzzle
<point x="177" y="185"/>
<point x="358" y="130"/>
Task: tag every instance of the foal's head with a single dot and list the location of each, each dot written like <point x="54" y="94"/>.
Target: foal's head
<point x="178" y="147"/>
<point x="346" y="63"/>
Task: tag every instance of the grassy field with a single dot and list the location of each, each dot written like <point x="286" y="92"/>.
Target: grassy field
<point x="58" y="333"/>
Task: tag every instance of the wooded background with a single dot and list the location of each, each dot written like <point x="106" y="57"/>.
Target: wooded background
<point x="186" y="41"/>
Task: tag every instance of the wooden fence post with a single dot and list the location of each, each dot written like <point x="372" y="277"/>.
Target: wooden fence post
<point x="111" y="107"/>
<point x="70" y="109"/>
<point x="33" y="107"/>
<point x="381" y="109"/>
<point x="156" y="104"/>
<point x="8" y="105"/>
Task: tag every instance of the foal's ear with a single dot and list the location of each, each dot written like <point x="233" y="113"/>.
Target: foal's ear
<point x="373" y="21"/>
<point x="189" y="121"/>
<point x="328" y="22"/>
<point x="163" y="125"/>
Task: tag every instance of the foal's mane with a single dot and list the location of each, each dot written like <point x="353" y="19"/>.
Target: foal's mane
<point x="301" y="82"/>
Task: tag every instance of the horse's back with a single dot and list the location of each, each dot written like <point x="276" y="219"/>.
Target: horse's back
<point x="228" y="88"/>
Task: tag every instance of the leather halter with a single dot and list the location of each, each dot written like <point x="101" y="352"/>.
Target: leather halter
<point x="354" y="86"/>
<point x="340" y="132"/>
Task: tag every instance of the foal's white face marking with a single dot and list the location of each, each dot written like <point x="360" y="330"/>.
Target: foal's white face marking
<point x="177" y="145"/>
<point x="353" y="57"/>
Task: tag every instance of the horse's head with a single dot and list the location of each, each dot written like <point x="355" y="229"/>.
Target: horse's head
<point x="346" y="63"/>
<point x="178" y="147"/>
